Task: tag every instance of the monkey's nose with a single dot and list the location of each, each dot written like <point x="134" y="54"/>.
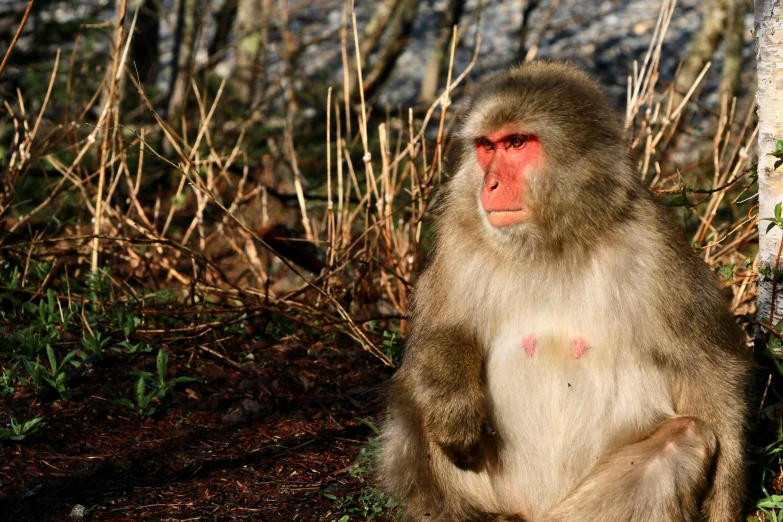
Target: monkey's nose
<point x="491" y="182"/>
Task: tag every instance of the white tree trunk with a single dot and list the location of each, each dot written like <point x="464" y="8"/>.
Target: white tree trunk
<point x="253" y="36"/>
<point x="769" y="56"/>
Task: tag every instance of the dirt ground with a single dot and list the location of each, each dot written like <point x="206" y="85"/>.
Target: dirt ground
<point x="272" y="443"/>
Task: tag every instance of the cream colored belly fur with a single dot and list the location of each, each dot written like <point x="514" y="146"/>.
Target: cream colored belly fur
<point x="548" y="406"/>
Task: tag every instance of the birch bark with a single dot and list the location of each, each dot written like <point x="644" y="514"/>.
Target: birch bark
<point x="769" y="57"/>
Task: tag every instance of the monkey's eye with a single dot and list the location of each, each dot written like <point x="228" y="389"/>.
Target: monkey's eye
<point x="486" y="144"/>
<point x="517" y="142"/>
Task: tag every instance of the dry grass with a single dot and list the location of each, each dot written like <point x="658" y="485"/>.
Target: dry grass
<point x="653" y="117"/>
<point x="369" y="224"/>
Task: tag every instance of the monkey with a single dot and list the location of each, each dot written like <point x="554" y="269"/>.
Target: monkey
<point x="570" y="358"/>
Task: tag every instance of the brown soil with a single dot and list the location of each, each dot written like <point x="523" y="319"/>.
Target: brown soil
<point x="265" y="444"/>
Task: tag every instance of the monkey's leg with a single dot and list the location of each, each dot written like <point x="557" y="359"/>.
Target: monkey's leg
<point x="659" y="479"/>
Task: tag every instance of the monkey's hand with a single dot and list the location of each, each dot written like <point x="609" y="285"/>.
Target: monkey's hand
<point x="457" y="425"/>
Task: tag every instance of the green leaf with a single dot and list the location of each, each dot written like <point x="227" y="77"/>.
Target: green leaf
<point x="69" y="356"/>
<point x="777" y="210"/>
<point x="370" y="425"/>
<point x="771" y="273"/>
<point x="330" y="496"/>
<point x="125" y="402"/>
<point x="163" y="362"/>
<point x="32" y="423"/>
<point x="52" y="358"/>
<point x="770" y="226"/>
<point x="778" y="150"/>
<point x="35" y="371"/>
<point x="726" y="271"/>
<point x="158" y="393"/>
<point x="141" y="387"/>
<point x="773" y="501"/>
<point x="679" y="200"/>
<point x="182" y="379"/>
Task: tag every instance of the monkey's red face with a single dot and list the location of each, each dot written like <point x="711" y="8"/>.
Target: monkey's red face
<point x="506" y="157"/>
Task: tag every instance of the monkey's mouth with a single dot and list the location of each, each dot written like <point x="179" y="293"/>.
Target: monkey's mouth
<point x="505" y="218"/>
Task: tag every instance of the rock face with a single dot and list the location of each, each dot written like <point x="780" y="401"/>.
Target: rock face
<point x="602" y="36"/>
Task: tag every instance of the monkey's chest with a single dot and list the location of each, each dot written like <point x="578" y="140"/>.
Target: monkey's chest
<point x="557" y="403"/>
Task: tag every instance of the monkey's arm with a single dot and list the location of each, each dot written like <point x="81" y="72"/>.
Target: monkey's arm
<point x="442" y="374"/>
<point x="709" y="379"/>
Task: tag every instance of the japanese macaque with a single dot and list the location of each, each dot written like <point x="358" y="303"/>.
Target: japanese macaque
<point x="570" y="358"/>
